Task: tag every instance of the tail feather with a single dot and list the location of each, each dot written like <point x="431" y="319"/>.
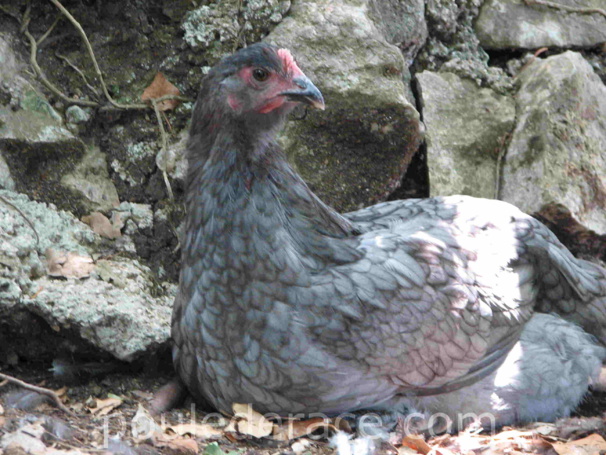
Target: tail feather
<point x="573" y="288"/>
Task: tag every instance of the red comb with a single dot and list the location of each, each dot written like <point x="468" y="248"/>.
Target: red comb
<point x="288" y="62"/>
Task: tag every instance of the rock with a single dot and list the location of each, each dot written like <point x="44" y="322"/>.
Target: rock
<point x="511" y="24"/>
<point x="120" y="309"/>
<point x="444" y="17"/>
<point x="77" y="114"/>
<point x="26" y="117"/>
<point x="356" y="152"/>
<point x="466" y="127"/>
<point x="136" y="217"/>
<point x="220" y="28"/>
<point x="453" y="46"/>
<point x="172" y="160"/>
<point x="6" y="179"/>
<point x="556" y="154"/>
<point x="114" y="310"/>
<point x="33" y="140"/>
<point x="22" y="250"/>
<point x="90" y="181"/>
<point x="402" y="24"/>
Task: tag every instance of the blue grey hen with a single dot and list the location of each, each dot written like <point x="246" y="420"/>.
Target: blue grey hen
<point x="290" y="306"/>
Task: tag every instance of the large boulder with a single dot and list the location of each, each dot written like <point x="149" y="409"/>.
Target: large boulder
<point x="556" y="154"/>
<point x="39" y="155"/>
<point x="467" y="127"/>
<point x="58" y="297"/>
<point x="512" y="24"/>
<point x="356" y="152"/>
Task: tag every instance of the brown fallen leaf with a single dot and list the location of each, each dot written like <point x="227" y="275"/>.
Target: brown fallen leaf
<point x="591" y="445"/>
<point x="104" y="407"/>
<point x="62" y="392"/>
<point x="249" y="422"/>
<point x="197" y="430"/>
<point x="68" y="265"/>
<point x="296" y="428"/>
<point x="160" y="87"/>
<point x="101" y="225"/>
<point x="416" y="442"/>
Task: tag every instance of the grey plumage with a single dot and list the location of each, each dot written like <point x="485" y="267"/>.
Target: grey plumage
<point x="285" y="304"/>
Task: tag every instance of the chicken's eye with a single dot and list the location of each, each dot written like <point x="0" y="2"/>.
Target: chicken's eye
<point x="260" y="74"/>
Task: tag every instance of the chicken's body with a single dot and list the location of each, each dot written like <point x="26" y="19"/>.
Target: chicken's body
<point x="287" y="305"/>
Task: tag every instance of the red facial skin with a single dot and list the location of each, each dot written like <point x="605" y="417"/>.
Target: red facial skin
<point x="270" y="89"/>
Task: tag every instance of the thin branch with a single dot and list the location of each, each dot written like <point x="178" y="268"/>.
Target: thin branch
<point x="48" y="84"/>
<point x="89" y="48"/>
<point x="499" y="165"/>
<point x="26" y="17"/>
<point x="79" y="71"/>
<point x="49" y="31"/>
<point x="18" y="210"/>
<point x="41" y="390"/>
<point x="531" y="60"/>
<point x="164" y="145"/>
<point x="8" y="12"/>
<point x="570" y="9"/>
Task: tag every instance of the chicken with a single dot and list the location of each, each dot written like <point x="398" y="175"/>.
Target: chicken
<point x="545" y="376"/>
<point x="286" y="304"/>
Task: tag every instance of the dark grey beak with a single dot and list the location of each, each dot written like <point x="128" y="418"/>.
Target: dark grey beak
<point x="306" y="92"/>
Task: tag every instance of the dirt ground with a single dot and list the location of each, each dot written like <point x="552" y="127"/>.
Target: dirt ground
<point x="109" y="417"/>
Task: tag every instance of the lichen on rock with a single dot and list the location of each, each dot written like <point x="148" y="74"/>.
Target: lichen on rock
<point x="221" y="27"/>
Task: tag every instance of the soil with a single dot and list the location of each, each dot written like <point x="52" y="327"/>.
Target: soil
<point x="135" y="388"/>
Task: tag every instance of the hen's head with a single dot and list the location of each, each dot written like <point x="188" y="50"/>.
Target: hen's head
<point x="260" y="83"/>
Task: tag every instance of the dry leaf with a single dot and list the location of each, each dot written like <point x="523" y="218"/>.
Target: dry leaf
<point x="296" y="428"/>
<point x="62" y="392"/>
<point x="591" y="445"/>
<point x="144" y="427"/>
<point x="416" y="442"/>
<point x="104" y="407"/>
<point x="101" y="225"/>
<point x="249" y="422"/>
<point x="160" y="87"/>
<point x="197" y="430"/>
<point x="68" y="265"/>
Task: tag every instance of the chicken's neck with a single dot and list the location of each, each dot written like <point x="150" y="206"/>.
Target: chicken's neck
<point x="246" y="201"/>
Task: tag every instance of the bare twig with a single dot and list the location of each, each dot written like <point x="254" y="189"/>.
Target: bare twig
<point x="89" y="48"/>
<point x="26" y="17"/>
<point x="18" y="210"/>
<point x="49" y="31"/>
<point x="531" y="60"/>
<point x="164" y="145"/>
<point x="3" y="383"/>
<point x="570" y="9"/>
<point x="56" y="91"/>
<point x="33" y="49"/>
<point x="499" y="165"/>
<point x="8" y="12"/>
<point x="41" y="390"/>
<point x="79" y="71"/>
